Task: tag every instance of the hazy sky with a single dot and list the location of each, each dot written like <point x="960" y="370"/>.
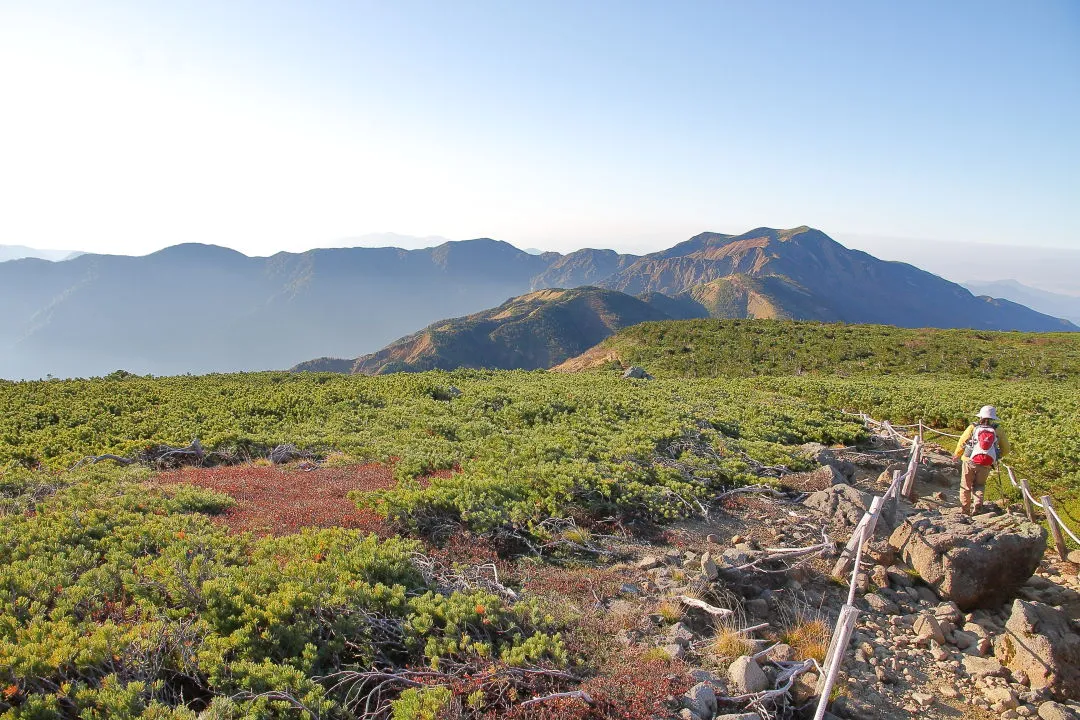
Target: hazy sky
<point x="263" y="125"/>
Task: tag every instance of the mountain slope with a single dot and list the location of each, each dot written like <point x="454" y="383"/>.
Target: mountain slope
<point x="803" y="273"/>
<point x="533" y="331"/>
<point x="726" y="348"/>
<point x="1056" y="304"/>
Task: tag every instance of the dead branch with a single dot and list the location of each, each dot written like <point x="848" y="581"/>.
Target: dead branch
<point x="702" y="605"/>
<point x="584" y="696"/>
<point x="784" y="681"/>
<point x="758" y="489"/>
<point x="288" y="452"/>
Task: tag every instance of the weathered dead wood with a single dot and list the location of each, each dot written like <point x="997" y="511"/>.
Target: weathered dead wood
<point x="95" y="459"/>
<point x="580" y="694"/>
<point x="702" y="605"/>
<point x="287" y="452"/>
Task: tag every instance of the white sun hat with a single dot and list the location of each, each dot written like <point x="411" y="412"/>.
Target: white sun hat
<point x="988" y="412"/>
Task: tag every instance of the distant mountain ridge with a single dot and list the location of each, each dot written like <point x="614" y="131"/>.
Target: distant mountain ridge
<point x="199" y="308"/>
<point x="18" y="252"/>
<point x="530" y="332"/>
<point x="1056" y="304"/>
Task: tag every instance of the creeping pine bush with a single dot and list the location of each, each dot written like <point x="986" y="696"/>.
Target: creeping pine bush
<point x="122" y="599"/>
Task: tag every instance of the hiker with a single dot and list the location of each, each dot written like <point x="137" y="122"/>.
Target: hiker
<point x="982" y="445"/>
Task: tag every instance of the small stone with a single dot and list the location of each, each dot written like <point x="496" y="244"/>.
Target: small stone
<point x="675" y="650"/>
<point x="927" y="629"/>
<point x="1001" y="697"/>
<point x="648" y="562"/>
<point x="964" y="640"/>
<point x="681" y="634"/>
<point x="923" y="700"/>
<point x="981" y="667"/>
<point x="708" y="567"/>
<point x="880" y="604"/>
<point x="758" y="607"/>
<point x="713" y="538"/>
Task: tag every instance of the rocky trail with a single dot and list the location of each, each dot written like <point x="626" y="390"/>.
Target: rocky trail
<point x="959" y="617"/>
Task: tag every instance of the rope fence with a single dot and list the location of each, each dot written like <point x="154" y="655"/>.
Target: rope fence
<point x="1058" y="527"/>
<point x="851" y="558"/>
<point x="903" y="484"/>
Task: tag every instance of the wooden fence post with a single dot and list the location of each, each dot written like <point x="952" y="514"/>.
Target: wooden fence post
<point x="863" y="531"/>
<point x="892" y="499"/>
<point x="837" y="646"/>
<point x="1055" y="530"/>
<point x="913" y="469"/>
<point x="1026" y="492"/>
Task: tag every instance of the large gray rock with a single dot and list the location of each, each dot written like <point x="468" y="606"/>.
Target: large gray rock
<point x="975" y="562"/>
<point x="1051" y="710"/>
<point x="1039" y="642"/>
<point x="746" y="676"/>
<point x="636" y="373"/>
<point x="842" y="504"/>
<point x="700" y="700"/>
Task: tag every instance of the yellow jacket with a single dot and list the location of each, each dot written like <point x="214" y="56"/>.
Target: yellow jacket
<point x="1002" y="441"/>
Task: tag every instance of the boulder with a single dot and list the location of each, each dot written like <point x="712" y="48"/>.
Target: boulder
<point x="841" y="504"/>
<point x="636" y="373"/>
<point x="746" y="676"/>
<point x="975" y="562"/>
<point x="700" y="700"/>
<point x="1051" y="710"/>
<point x="1039" y="642"/>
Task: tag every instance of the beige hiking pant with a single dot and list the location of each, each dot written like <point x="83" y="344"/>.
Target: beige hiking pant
<point x="972" y="485"/>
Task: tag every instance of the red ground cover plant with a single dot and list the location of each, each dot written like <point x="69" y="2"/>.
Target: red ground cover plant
<point x="279" y="501"/>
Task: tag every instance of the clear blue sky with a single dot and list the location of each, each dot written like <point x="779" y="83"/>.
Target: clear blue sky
<point x="267" y="125"/>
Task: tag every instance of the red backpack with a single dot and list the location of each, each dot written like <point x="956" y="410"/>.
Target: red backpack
<point x="983" y="444"/>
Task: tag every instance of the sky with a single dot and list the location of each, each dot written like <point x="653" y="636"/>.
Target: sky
<point x="267" y="125"/>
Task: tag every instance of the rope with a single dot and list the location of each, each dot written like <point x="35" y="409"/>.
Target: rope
<point x="1063" y="526"/>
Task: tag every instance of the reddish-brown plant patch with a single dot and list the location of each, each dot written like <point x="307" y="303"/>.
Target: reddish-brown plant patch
<point x="280" y="501"/>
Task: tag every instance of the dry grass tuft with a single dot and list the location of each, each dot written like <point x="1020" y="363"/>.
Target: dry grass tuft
<point x="729" y="644"/>
<point x="670" y="612"/>
<point x="809" y="637"/>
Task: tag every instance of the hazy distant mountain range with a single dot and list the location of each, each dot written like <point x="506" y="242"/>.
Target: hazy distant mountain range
<point x="199" y="308"/>
<point x="17" y="252"/>
<point x="797" y="274"/>
<point x="1056" y="304"/>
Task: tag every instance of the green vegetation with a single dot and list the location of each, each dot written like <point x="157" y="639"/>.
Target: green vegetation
<point x="122" y="598"/>
<point x="530" y="446"/>
<point x="738" y="348"/>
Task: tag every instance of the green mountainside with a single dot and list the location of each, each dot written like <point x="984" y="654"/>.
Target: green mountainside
<point x="530" y="332"/>
<point x="714" y="347"/>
